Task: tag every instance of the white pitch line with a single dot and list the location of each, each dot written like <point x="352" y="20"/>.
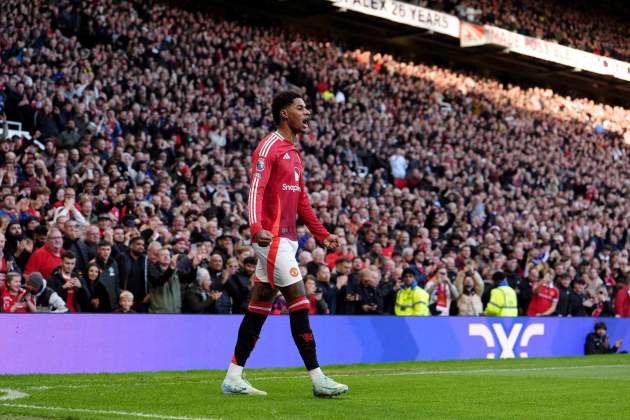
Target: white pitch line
<point x="366" y="372"/>
<point x="106" y="412"/>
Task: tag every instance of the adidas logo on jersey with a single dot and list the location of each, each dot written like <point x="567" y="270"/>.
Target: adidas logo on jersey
<point x="286" y="157"/>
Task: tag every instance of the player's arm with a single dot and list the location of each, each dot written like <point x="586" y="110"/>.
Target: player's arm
<point x="261" y="172"/>
<point x="308" y="217"/>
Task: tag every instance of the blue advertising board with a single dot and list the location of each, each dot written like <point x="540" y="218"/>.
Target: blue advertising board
<point x="89" y="343"/>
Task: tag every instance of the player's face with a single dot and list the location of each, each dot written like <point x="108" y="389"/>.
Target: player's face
<point x="298" y="116"/>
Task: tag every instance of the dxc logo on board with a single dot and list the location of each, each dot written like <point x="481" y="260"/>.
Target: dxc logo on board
<point x="507" y="341"/>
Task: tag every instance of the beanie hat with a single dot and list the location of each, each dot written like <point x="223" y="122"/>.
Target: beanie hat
<point x="35" y="280"/>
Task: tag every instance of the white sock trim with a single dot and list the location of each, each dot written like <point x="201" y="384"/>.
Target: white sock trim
<point x="234" y="371"/>
<point x="316" y="375"/>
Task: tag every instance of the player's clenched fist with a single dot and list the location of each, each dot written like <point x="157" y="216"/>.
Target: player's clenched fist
<point x="331" y="242"/>
<point x="263" y="238"/>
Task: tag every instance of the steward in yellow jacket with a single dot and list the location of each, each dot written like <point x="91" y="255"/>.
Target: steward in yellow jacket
<point x="503" y="300"/>
<point x="411" y="299"/>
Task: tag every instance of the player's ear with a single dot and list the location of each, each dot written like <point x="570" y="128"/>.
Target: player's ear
<point x="284" y="114"/>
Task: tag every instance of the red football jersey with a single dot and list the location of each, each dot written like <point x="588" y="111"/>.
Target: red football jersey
<point x="277" y="196"/>
<point x="542" y="300"/>
<point x="8" y="300"/>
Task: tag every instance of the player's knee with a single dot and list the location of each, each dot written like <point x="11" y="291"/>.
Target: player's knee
<point x="299" y="303"/>
<point x="259" y="307"/>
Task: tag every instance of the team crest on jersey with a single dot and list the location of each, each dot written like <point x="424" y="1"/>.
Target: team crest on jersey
<point x="260" y="165"/>
<point x="294" y="271"/>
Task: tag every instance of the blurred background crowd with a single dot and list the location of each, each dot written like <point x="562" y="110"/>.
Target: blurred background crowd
<point x="131" y="193"/>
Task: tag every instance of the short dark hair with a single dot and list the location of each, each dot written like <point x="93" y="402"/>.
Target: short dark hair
<point x="600" y="325"/>
<point x="250" y="260"/>
<point x="136" y="239"/>
<point x="103" y="243"/>
<point x="281" y="101"/>
<point x="342" y="260"/>
<point x="68" y="255"/>
<point x="498" y="277"/>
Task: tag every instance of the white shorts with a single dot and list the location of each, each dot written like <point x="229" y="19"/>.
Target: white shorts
<point x="277" y="264"/>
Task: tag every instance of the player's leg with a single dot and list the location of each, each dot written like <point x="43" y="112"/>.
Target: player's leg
<point x="259" y="307"/>
<point x="289" y="280"/>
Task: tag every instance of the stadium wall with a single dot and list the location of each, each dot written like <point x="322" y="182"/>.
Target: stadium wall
<point x="49" y="343"/>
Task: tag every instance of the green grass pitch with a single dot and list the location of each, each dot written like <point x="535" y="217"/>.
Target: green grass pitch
<point x="565" y="388"/>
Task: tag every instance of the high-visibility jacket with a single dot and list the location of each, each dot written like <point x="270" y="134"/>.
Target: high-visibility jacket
<point x="412" y="300"/>
<point x="502" y="301"/>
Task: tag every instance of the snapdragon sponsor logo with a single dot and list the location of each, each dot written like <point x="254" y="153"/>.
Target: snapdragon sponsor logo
<point x="507" y="341"/>
<point x="292" y="188"/>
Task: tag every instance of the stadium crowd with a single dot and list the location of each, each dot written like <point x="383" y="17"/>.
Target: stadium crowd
<point x="597" y="27"/>
<point x="131" y="194"/>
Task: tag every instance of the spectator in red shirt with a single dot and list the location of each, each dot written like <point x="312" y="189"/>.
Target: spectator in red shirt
<point x="622" y="299"/>
<point x="48" y="257"/>
<point x="544" y="295"/>
<point x="15" y="298"/>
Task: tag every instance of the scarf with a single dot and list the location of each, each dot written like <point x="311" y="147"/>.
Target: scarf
<point x="442" y="293"/>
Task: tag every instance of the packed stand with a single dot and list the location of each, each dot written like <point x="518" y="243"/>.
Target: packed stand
<point x="444" y="188"/>
<point x="600" y="28"/>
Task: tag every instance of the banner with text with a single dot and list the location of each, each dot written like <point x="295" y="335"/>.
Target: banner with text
<point x="84" y="343"/>
<point x="470" y="36"/>
<point x="405" y="13"/>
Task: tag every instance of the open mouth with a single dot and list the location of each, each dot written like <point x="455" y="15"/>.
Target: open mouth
<point x="306" y="121"/>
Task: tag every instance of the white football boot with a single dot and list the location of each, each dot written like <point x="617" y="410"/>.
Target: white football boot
<point x="327" y="388"/>
<point x="238" y="386"/>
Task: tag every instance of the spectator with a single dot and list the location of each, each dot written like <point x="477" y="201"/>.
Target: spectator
<point x="133" y="265"/>
<point x="597" y="342"/>
<point x="240" y="284"/>
<point x="48" y="257"/>
<point x="545" y="295"/>
<point x="469" y="285"/>
<point x="502" y="298"/>
<point x="199" y="298"/>
<point x="7" y="262"/>
<point x="564" y="295"/>
<point x="97" y="291"/>
<point x="219" y="277"/>
<point x="16" y="299"/>
<point x="603" y="305"/>
<point x="329" y="291"/>
<point x="44" y="298"/>
<point x="319" y="258"/>
<point x="109" y="276"/>
<point x="411" y="299"/>
<point x="622" y="299"/>
<point x="85" y="248"/>
<point x="315" y="296"/>
<point x="164" y="285"/>
<point x="442" y="292"/>
<point x="578" y="299"/>
<point x="65" y="281"/>
<point x="125" y="303"/>
<point x="369" y="301"/>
